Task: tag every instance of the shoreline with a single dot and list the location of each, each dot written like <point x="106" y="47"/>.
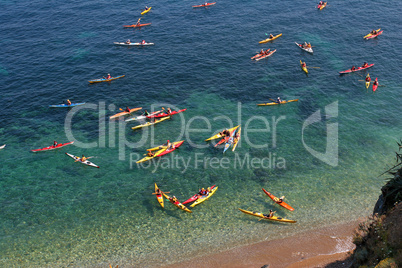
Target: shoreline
<point x="313" y="248"/>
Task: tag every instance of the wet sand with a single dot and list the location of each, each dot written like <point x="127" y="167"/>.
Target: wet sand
<point x="314" y="248"/>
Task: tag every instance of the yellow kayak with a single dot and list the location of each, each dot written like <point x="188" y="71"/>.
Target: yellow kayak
<point x="270" y="39"/>
<point x="370" y="34"/>
<point x="164" y="146"/>
<point x="367" y="83"/>
<point x="275" y="103"/>
<point x="146" y="11"/>
<point x="177" y="203"/>
<point x="203" y="198"/>
<point x="260" y="215"/>
<point x="217" y="136"/>
<point x="147" y="158"/>
<point x="236" y="140"/>
<point x="159" y="196"/>
<point x="303" y="68"/>
<point x="147" y="124"/>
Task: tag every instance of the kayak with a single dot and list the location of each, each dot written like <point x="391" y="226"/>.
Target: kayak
<point x="309" y="49"/>
<point x="303" y="68"/>
<point x="177" y="203"/>
<point x="370" y="35"/>
<point x="133" y="44"/>
<point x="147" y="124"/>
<point x="175" y="145"/>
<point x="86" y="162"/>
<point x="259" y="54"/>
<point x="357" y="69"/>
<point x="276" y="200"/>
<point x="205" y="5"/>
<point x="66" y="105"/>
<point x="146" y="11"/>
<point x="368" y="82"/>
<point x="270" y="39"/>
<point x="232" y="140"/>
<point x="125" y="113"/>
<point x="165" y="114"/>
<point x="159" y="197"/>
<point x="217" y="136"/>
<point x="260" y="215"/>
<point x="195" y="197"/>
<point x="2" y="147"/>
<point x="147" y="158"/>
<point x="105" y="80"/>
<point x="225" y="139"/>
<point x="236" y="141"/>
<point x="275" y="103"/>
<point x="140" y="117"/>
<point x="136" y="26"/>
<point x="266" y="56"/>
<point x="374" y="85"/>
<point x="321" y="7"/>
<point x="52" y="147"/>
<point x="201" y="199"/>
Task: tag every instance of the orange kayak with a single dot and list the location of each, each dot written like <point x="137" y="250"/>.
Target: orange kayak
<point x="125" y="113"/>
<point x="159" y="196"/>
<point x="276" y="200"/>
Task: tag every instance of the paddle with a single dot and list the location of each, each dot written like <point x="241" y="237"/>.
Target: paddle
<point x="313" y="67"/>
<point x="80" y="158"/>
<point x="266" y="217"/>
<point x="161" y="193"/>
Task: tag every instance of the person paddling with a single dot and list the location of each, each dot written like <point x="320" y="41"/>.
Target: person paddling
<point x="375" y="83"/>
<point x="55" y="143"/>
<point x="127" y="110"/>
<point x="83" y="158"/>
<point x="270" y="215"/>
<point x="68" y="102"/>
<point x="128" y="41"/>
<point x="143" y="42"/>
<point x="368" y="78"/>
<point x="271" y="36"/>
<point x="138" y="22"/>
<point x="281" y="199"/>
<point x="353" y="68"/>
<point x="108" y="77"/>
<point x="278" y="100"/>
<point x="365" y="64"/>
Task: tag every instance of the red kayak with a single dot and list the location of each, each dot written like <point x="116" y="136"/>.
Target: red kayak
<point x="52" y="147"/>
<point x="195" y="197"/>
<point x="266" y="56"/>
<point x="175" y="145"/>
<point x="373" y="35"/>
<point x="136" y="25"/>
<point x="375" y="84"/>
<point x="276" y="200"/>
<point x="260" y="55"/>
<point x="205" y="5"/>
<point x="225" y="139"/>
<point x="357" y="69"/>
<point x="166" y="114"/>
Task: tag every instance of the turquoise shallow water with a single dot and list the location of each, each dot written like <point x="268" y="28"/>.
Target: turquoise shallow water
<point x="58" y="213"/>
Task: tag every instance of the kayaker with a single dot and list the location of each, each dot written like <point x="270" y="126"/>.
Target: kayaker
<point x="368" y="78"/>
<point x="321" y="3"/>
<point x="373" y="32"/>
<point x="68" y="102"/>
<point x="365" y="64"/>
<point x="375" y="83"/>
<point x="169" y="110"/>
<point x="278" y="100"/>
<point x="271" y="36"/>
<point x="143" y="42"/>
<point x="281" y="199"/>
<point x="145" y="113"/>
<point x="127" y="110"/>
<point x="304" y="64"/>
<point x="174" y="199"/>
<point x="108" y="76"/>
<point x="353" y="68"/>
<point x="55" y="143"/>
<point x="168" y="145"/>
<point x="138" y="22"/>
<point x="128" y="41"/>
<point x="150" y="154"/>
<point x="262" y="52"/>
<point x="309" y="45"/>
<point x="270" y="215"/>
<point x="83" y="158"/>
<point x="203" y="192"/>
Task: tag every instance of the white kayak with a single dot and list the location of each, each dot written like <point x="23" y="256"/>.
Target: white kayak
<point x="86" y="162"/>
<point x="141" y="117"/>
<point x="309" y="49"/>
<point x="2" y="147"/>
<point x="133" y="44"/>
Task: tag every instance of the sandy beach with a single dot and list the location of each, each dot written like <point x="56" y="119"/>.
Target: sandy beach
<point x="314" y="248"/>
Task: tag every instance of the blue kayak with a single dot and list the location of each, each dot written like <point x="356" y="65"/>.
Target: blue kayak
<point x="65" y="105"/>
<point x="105" y="80"/>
